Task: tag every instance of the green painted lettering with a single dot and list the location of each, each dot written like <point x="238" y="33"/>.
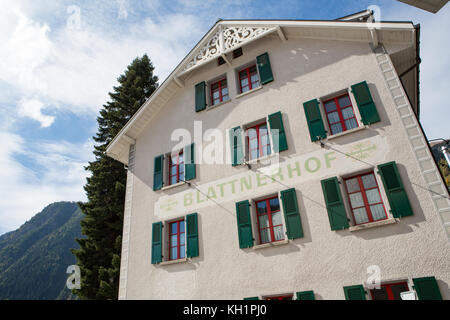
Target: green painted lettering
<point x="248" y="184"/>
<point x="198" y="197"/>
<point x="277" y="174"/>
<point x="328" y="159"/>
<point x="259" y="178"/>
<point x="233" y="188"/>
<point x="187" y="199"/>
<point x="297" y="169"/>
<point x="211" y="193"/>
<point x="308" y="164"/>
<point x="221" y="188"/>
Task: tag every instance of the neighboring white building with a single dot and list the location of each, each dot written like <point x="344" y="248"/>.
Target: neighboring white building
<point x="428" y="5"/>
<point x="328" y="182"/>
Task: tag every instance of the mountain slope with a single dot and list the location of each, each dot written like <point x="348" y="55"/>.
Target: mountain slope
<point x="34" y="258"/>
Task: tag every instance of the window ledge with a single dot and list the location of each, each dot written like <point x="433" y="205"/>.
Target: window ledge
<point x="340" y="134"/>
<point x="218" y="104"/>
<point x="271" y="244"/>
<point x="170" y="186"/>
<point x="373" y="224"/>
<point x="165" y="263"/>
<point x="261" y="159"/>
<point x="248" y="92"/>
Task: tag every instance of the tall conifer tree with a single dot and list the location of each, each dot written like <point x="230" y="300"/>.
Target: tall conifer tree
<point x="99" y="253"/>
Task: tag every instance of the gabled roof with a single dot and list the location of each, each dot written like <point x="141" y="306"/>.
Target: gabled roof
<point x="227" y="35"/>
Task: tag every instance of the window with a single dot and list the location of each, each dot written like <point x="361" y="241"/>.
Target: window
<point x="340" y="114"/>
<point x="284" y="297"/>
<point x="176" y="168"/>
<point x="258" y="141"/>
<point x="365" y="199"/>
<point x="248" y="79"/>
<point x="219" y="92"/>
<point x="177" y="244"/>
<point x="270" y="225"/>
<point x="177" y="241"/>
<point x="389" y="291"/>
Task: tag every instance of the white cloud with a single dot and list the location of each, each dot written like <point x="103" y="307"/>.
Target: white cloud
<point x="75" y="68"/>
<point x="25" y="191"/>
<point x="32" y="108"/>
<point x="24" y="47"/>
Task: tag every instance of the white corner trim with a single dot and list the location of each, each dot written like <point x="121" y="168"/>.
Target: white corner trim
<point x="418" y="144"/>
<point x="123" y="275"/>
<point x="373" y="224"/>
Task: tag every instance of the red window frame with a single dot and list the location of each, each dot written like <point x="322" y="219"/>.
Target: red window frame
<point x="259" y="137"/>
<point x="389" y="289"/>
<point x="180" y="246"/>
<point x="283" y="297"/>
<point x="364" y="196"/>
<point x="221" y="84"/>
<point x="178" y="164"/>
<point x="249" y="72"/>
<point x="269" y="213"/>
<point x="339" y="111"/>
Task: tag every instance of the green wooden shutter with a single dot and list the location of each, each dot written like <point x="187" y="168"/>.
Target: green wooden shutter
<point x="335" y="205"/>
<point x="396" y="194"/>
<point x="366" y="106"/>
<point x="427" y="288"/>
<point x="244" y="224"/>
<point x="189" y="162"/>
<point x="314" y="119"/>
<point x="355" y="292"/>
<point x="277" y="132"/>
<point x="306" y="295"/>
<point x="191" y="235"/>
<point x="251" y="298"/>
<point x="291" y="214"/>
<point x="237" y="151"/>
<point x="158" y="172"/>
<point x="156" y="242"/>
<point x="200" y="96"/>
<point x="264" y="68"/>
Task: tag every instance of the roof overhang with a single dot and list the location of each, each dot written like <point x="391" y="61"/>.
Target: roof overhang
<point x="227" y="35"/>
<point x="428" y="5"/>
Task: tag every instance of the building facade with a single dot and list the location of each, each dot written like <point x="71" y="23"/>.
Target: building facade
<point x="429" y="5"/>
<point x="285" y="160"/>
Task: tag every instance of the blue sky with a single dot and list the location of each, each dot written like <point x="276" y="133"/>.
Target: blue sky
<point x="59" y="60"/>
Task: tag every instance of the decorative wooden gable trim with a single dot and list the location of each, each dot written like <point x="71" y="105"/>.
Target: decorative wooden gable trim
<point x="224" y="40"/>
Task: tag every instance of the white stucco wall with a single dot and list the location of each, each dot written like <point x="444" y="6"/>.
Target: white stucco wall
<point x="323" y="260"/>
